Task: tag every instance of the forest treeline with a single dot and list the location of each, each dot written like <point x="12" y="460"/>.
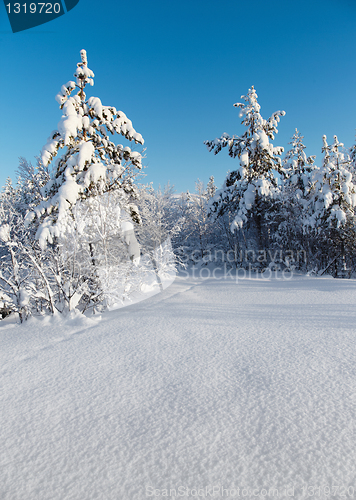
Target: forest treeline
<point x="80" y="229"/>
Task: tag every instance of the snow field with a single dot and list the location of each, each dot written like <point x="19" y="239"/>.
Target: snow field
<point x="207" y="384"/>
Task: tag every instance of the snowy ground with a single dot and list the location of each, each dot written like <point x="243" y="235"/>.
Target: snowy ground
<point x="208" y="385"/>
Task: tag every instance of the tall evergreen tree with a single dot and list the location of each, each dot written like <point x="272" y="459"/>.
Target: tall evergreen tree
<point x="333" y="204"/>
<point x="247" y="189"/>
<point x="90" y="164"/>
<point x="297" y="167"/>
<point x="292" y="203"/>
<point x="335" y="197"/>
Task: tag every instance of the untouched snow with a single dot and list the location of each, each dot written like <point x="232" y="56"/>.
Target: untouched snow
<point x="210" y="384"/>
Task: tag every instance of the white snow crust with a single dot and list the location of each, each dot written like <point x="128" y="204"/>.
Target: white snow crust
<point x="209" y="383"/>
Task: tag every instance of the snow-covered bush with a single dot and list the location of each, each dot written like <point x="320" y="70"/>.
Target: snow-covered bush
<point x="15" y="271"/>
<point x="161" y="224"/>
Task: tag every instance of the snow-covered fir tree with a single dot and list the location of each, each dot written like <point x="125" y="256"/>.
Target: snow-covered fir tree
<point x="247" y="189"/>
<point x="211" y="188"/>
<point x="292" y="202"/>
<point x="334" y="197"/>
<point x="333" y="203"/>
<point x="85" y="212"/>
<point x="90" y="163"/>
<point x="297" y="167"/>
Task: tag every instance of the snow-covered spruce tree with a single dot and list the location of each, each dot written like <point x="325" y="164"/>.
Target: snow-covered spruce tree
<point x="292" y="202"/>
<point x="246" y="191"/>
<point x="91" y="164"/>
<point x="332" y="207"/>
<point x="211" y="187"/>
<point x="297" y="167"/>
<point x="90" y="168"/>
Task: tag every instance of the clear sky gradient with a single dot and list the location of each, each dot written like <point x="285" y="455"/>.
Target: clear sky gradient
<point x="177" y="68"/>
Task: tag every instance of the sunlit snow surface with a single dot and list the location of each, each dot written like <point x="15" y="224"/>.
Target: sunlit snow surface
<point x="209" y="383"/>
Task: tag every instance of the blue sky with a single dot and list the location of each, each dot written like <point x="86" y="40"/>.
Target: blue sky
<point x="176" y="68"/>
